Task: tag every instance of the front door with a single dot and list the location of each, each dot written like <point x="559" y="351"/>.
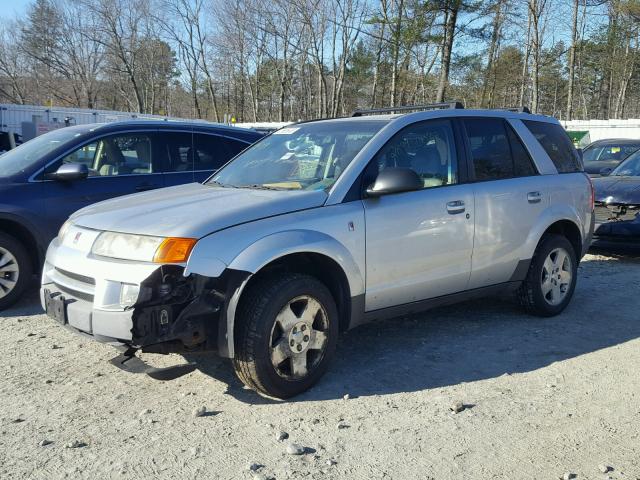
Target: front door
<point x="118" y="164"/>
<point x="419" y="243"/>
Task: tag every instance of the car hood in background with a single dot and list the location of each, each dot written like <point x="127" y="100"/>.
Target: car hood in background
<point x="193" y="210"/>
<point x="594" y="168"/>
<point x="617" y="189"/>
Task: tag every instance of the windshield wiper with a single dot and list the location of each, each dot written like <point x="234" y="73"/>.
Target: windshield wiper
<point x="258" y="186"/>
<point x="220" y="184"/>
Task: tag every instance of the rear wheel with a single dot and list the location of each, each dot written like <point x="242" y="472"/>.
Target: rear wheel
<point x="551" y="279"/>
<point x="15" y="270"/>
<point x="286" y="336"/>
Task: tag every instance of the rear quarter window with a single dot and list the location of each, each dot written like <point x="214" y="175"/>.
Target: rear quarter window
<point x="557" y="144"/>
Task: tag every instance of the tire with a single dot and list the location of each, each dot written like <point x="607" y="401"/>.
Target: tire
<point x="275" y="321"/>
<point x="16" y="270"/>
<point x="551" y="279"/>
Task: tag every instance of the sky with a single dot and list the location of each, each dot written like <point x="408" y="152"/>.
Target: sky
<point x="17" y="7"/>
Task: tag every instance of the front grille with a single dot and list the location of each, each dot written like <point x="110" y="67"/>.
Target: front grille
<point x="76" y="276"/>
<point x="616" y="213"/>
<point x="74" y="293"/>
<point x="73" y="284"/>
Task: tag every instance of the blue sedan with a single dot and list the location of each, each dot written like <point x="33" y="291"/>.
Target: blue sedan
<point x="46" y="179"/>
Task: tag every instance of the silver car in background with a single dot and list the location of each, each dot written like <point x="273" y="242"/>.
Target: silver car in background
<point x="321" y="227"/>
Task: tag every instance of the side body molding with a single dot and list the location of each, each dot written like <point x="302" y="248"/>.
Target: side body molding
<point x="254" y="257"/>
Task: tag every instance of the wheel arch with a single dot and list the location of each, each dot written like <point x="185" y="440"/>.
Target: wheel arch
<point x="20" y="231"/>
<point x="570" y="231"/>
<point x="300" y="251"/>
<point x="565" y="221"/>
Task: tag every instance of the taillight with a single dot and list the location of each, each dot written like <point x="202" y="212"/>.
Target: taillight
<point x="593" y="192"/>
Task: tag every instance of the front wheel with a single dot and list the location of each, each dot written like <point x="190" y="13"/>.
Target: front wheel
<point x="551" y="279"/>
<point x="15" y="270"/>
<point x="286" y="335"/>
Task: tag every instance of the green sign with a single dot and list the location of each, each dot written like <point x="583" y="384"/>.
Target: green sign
<point x="579" y="137"/>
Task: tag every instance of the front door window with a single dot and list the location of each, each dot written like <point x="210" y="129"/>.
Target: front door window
<point x="128" y="154"/>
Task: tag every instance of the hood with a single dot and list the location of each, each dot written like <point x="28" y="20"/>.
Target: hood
<point x="193" y="210"/>
<point x="620" y="189"/>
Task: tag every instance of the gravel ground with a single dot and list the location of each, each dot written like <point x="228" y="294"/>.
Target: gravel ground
<point x="541" y="399"/>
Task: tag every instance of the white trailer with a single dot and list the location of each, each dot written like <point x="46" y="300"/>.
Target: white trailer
<point x="602" y="129"/>
<point x="28" y="121"/>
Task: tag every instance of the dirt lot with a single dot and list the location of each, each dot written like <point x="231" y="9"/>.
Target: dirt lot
<point x="544" y="398"/>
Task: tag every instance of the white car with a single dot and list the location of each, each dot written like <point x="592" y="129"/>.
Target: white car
<point x="321" y="227"/>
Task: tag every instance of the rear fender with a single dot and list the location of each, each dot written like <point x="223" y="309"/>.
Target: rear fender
<point x="550" y="216"/>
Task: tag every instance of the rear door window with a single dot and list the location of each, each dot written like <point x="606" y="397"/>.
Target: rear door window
<point x="490" y="150"/>
<point x="523" y="165"/>
<point x="496" y="151"/>
<point x="179" y="148"/>
<point x="211" y="152"/>
<point x="556" y="142"/>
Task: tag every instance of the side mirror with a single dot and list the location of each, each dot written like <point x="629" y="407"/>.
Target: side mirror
<point x="395" y="180"/>
<point x="68" y="172"/>
<point x="605" y="171"/>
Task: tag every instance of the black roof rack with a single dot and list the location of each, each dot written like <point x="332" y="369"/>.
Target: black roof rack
<point x="517" y="109"/>
<point x="408" y="108"/>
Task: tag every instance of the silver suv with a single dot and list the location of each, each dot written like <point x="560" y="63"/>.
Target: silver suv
<point x="321" y="227"/>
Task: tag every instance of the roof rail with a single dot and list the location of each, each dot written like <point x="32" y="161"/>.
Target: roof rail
<point x="517" y="109"/>
<point x="406" y="108"/>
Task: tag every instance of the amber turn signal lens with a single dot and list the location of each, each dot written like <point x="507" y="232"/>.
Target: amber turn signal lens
<point x="174" y="250"/>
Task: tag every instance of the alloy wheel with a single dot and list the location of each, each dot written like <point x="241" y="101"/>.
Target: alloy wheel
<point x="9" y="272"/>
<point x="557" y="275"/>
<point x="299" y="337"/>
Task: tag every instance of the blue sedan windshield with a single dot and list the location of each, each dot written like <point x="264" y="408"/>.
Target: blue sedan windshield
<point x="629" y="168"/>
<point x="24" y="156"/>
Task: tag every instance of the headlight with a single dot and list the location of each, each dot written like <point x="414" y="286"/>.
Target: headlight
<point x="143" y="248"/>
<point x="63" y="229"/>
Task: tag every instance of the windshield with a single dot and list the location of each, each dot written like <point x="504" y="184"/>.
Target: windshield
<point x="629" y="168"/>
<point x="24" y="156"/>
<point x="614" y="152"/>
<point x="309" y="156"/>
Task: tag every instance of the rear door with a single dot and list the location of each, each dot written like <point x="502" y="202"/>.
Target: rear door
<point x="119" y="164"/>
<point x="509" y="197"/>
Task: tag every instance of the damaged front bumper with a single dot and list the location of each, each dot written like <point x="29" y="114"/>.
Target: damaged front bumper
<point x="133" y="305"/>
<point x="617" y="225"/>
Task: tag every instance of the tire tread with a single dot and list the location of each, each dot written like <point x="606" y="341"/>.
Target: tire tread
<point x="250" y="315"/>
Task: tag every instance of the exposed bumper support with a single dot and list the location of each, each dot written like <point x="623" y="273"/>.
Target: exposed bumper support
<point x="129" y="362"/>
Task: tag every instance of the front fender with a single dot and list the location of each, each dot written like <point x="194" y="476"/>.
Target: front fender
<point x="260" y="253"/>
<point x="278" y="245"/>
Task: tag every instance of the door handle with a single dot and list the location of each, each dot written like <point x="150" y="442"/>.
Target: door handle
<point x="534" y="197"/>
<point x="146" y="186"/>
<point x="455" y="207"/>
